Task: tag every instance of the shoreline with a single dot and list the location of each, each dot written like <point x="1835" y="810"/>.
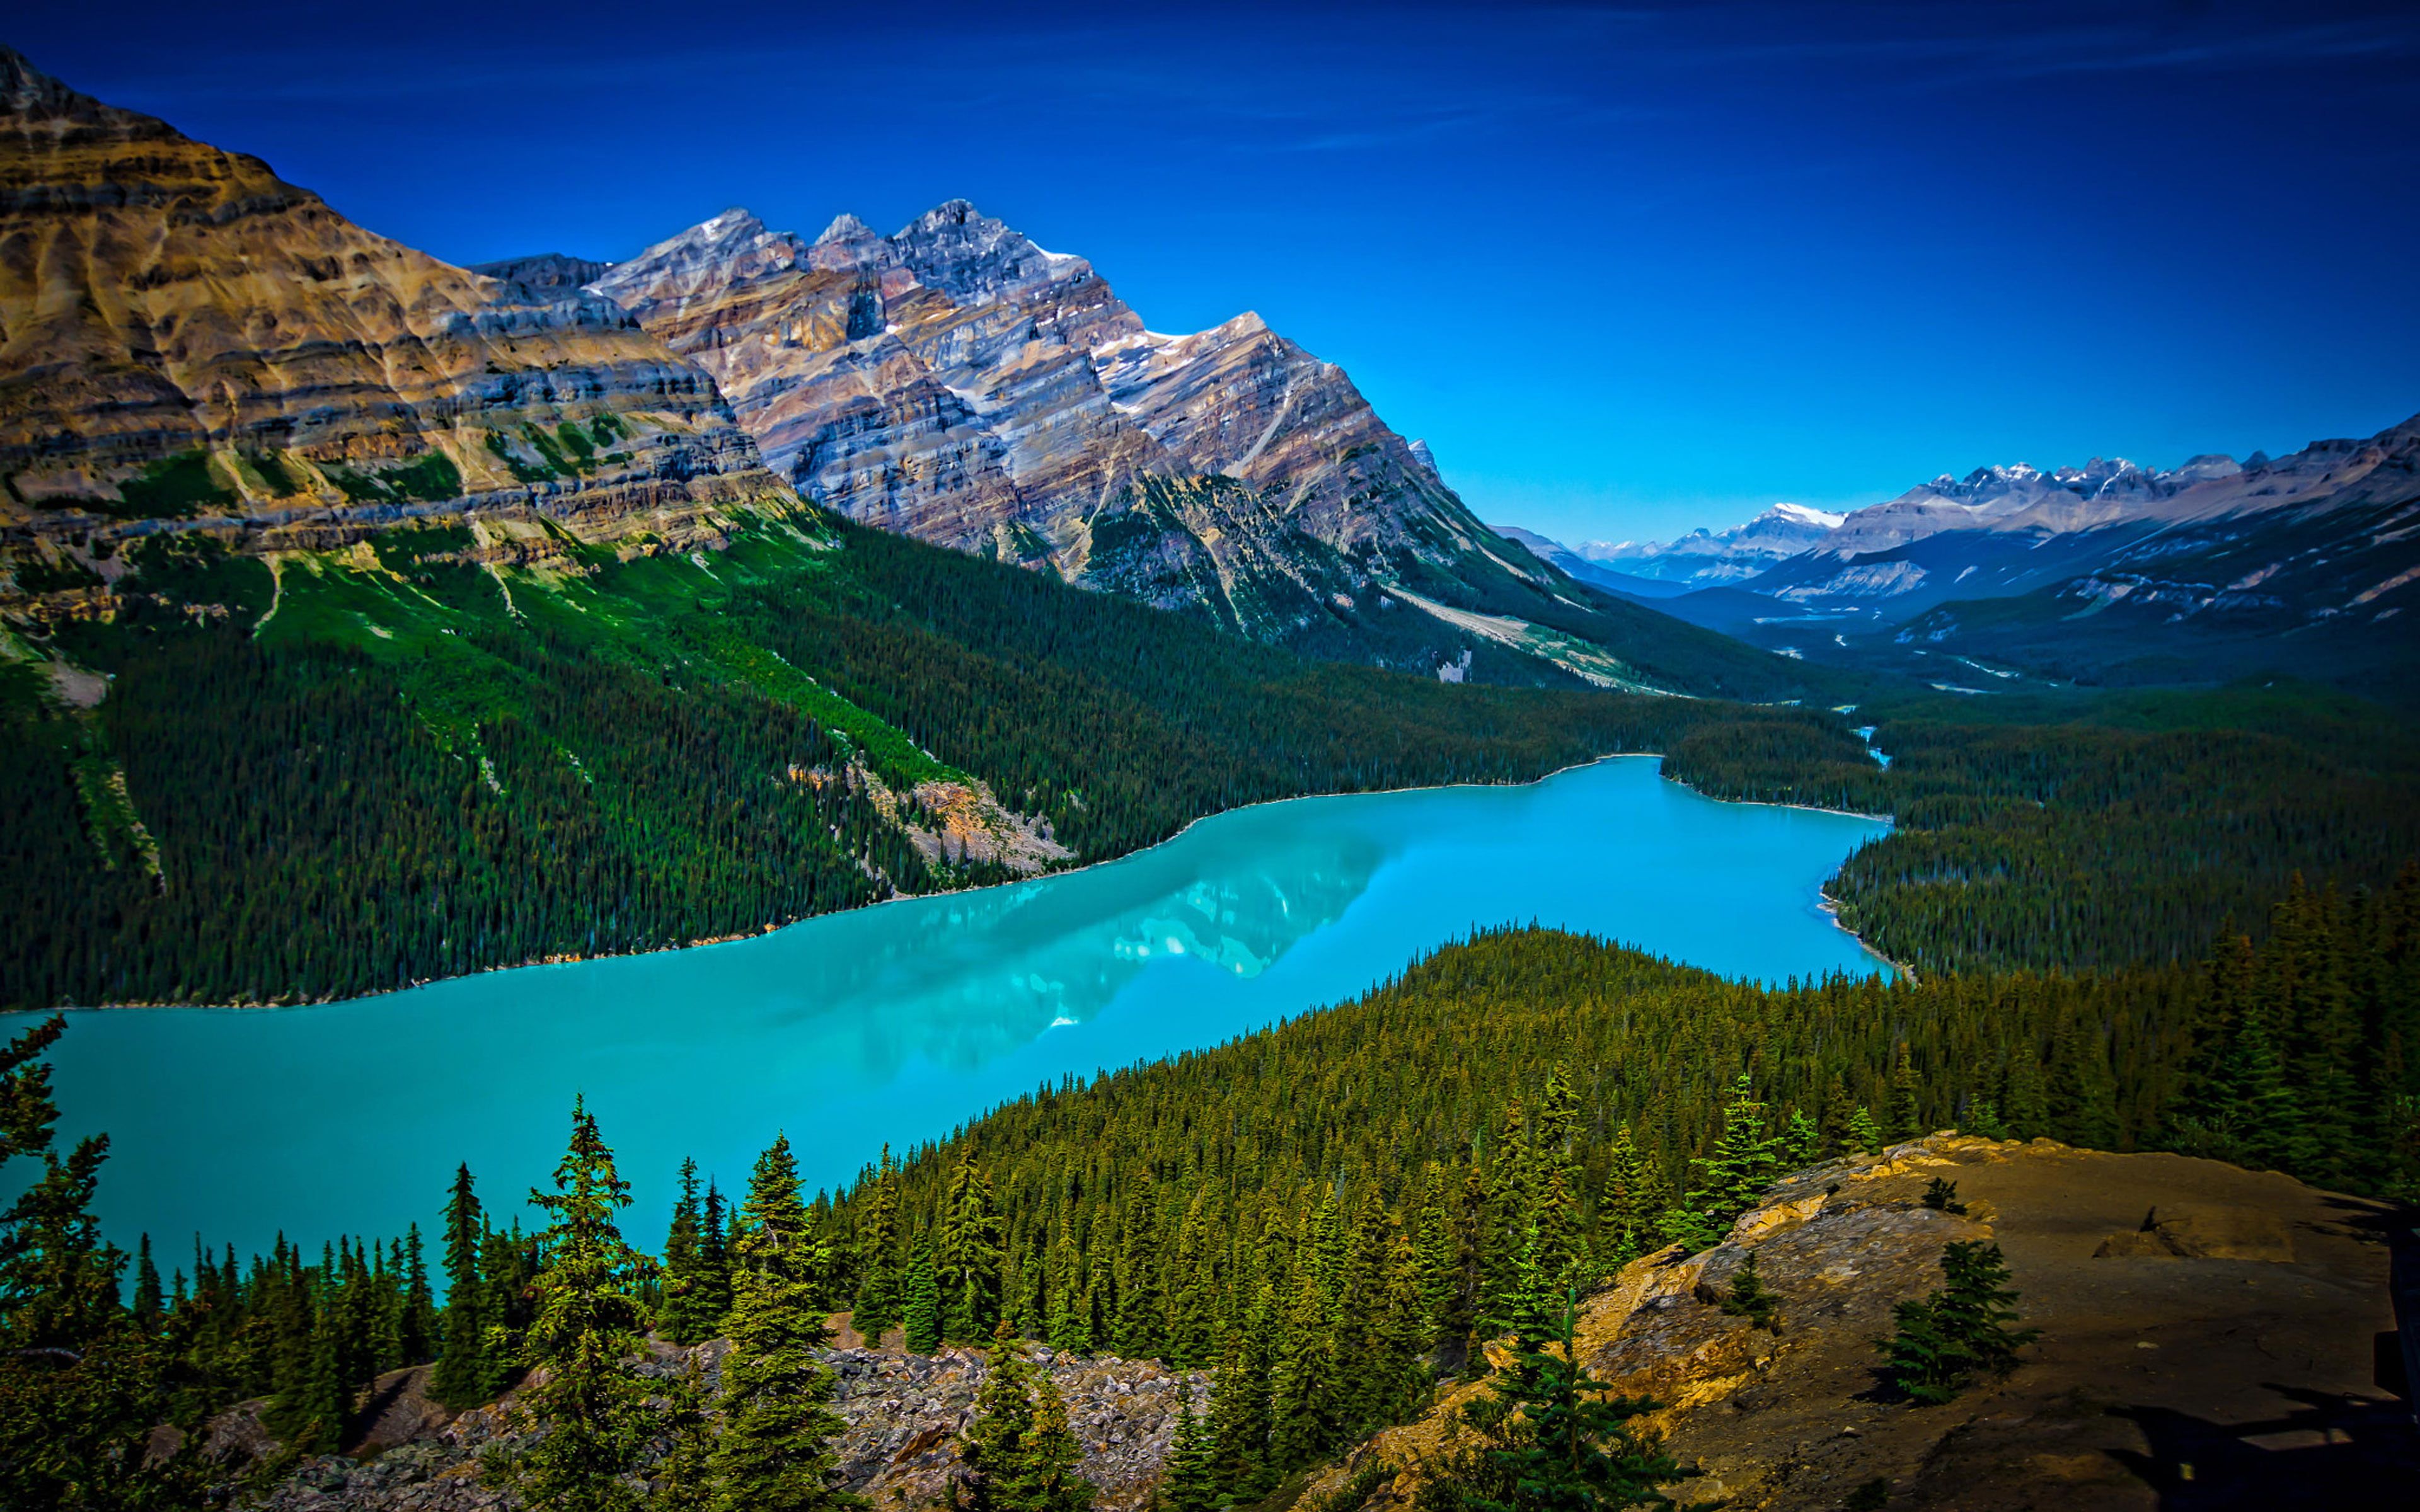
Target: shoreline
<point x="1824" y="901"/>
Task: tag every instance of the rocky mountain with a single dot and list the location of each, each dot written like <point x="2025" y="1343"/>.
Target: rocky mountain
<point x="959" y="383"/>
<point x="1705" y="559"/>
<point x="188" y="342"/>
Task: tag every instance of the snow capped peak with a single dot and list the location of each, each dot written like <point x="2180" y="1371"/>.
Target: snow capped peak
<point x="1804" y="515"/>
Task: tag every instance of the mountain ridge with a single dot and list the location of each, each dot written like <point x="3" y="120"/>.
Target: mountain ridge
<point x="960" y="383"/>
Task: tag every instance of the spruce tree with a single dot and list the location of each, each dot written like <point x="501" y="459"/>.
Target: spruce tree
<point x="713" y="1262"/>
<point x="1188" y="1482"/>
<point x="464" y="1376"/>
<point x="1305" y="1424"/>
<point x="773" y="1453"/>
<point x="1959" y="1331"/>
<point x="1802" y="1144"/>
<point x="1751" y="1300"/>
<point x="149" y="1303"/>
<point x="1070" y="1328"/>
<point x="1139" y="1321"/>
<point x="416" y="1334"/>
<point x="1864" y="1137"/>
<point x="1050" y="1481"/>
<point x="1240" y="1404"/>
<point x="993" y="1450"/>
<point x="876" y="1306"/>
<point x="1549" y="1438"/>
<point x="1191" y="1286"/>
<point x="921" y="1315"/>
<point x="590" y="1398"/>
<point x="1731" y="1177"/>
<point x="679" y="1318"/>
<point x="1636" y="1198"/>
<point x="1906" y="1120"/>
<point x="967" y="1268"/>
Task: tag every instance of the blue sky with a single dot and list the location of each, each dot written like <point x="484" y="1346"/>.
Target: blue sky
<point x="1628" y="268"/>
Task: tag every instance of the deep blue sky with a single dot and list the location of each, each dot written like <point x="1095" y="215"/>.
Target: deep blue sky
<point x="1629" y="269"/>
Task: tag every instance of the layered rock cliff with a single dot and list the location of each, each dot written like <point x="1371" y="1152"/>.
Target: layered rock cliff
<point x="189" y="341"/>
<point x="959" y="383"/>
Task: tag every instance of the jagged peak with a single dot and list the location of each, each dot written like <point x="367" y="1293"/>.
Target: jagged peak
<point x="844" y="227"/>
<point x="951" y="214"/>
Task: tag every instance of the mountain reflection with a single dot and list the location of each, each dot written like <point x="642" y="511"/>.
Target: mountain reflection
<point x="959" y="979"/>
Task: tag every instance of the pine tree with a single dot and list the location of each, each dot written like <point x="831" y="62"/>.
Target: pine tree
<point x="969" y="1266"/>
<point x="590" y="1398"/>
<point x="773" y="1453"/>
<point x="464" y="1375"/>
<point x="877" y="1307"/>
<point x="921" y="1316"/>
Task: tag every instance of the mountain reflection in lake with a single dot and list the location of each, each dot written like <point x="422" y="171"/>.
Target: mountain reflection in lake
<point x="898" y="1023"/>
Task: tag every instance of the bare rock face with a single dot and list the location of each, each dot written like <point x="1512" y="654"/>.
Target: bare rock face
<point x="900" y="1450"/>
<point x="958" y="383"/>
<point x="186" y="341"/>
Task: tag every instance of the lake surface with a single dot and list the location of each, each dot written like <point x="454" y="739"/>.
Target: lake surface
<point x="899" y="1022"/>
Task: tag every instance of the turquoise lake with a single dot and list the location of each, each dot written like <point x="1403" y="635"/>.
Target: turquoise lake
<point x="899" y="1022"/>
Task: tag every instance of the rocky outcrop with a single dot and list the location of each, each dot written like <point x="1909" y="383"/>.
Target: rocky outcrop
<point x="900" y="1450"/>
<point x="958" y="382"/>
<point x="2225" y="1342"/>
<point x="189" y="341"/>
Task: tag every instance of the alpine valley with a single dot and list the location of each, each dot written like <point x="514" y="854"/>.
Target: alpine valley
<point x="2038" y="1126"/>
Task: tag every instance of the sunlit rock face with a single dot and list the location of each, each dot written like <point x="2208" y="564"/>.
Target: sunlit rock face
<point x="958" y="382"/>
<point x="186" y="340"/>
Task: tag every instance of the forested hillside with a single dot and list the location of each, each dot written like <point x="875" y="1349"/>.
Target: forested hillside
<point x="2087" y="832"/>
<point x="342" y="772"/>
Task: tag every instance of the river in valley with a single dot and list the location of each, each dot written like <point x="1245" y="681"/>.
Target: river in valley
<point x="899" y="1022"/>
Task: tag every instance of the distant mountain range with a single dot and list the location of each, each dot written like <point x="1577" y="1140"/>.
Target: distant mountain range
<point x="2106" y="572"/>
